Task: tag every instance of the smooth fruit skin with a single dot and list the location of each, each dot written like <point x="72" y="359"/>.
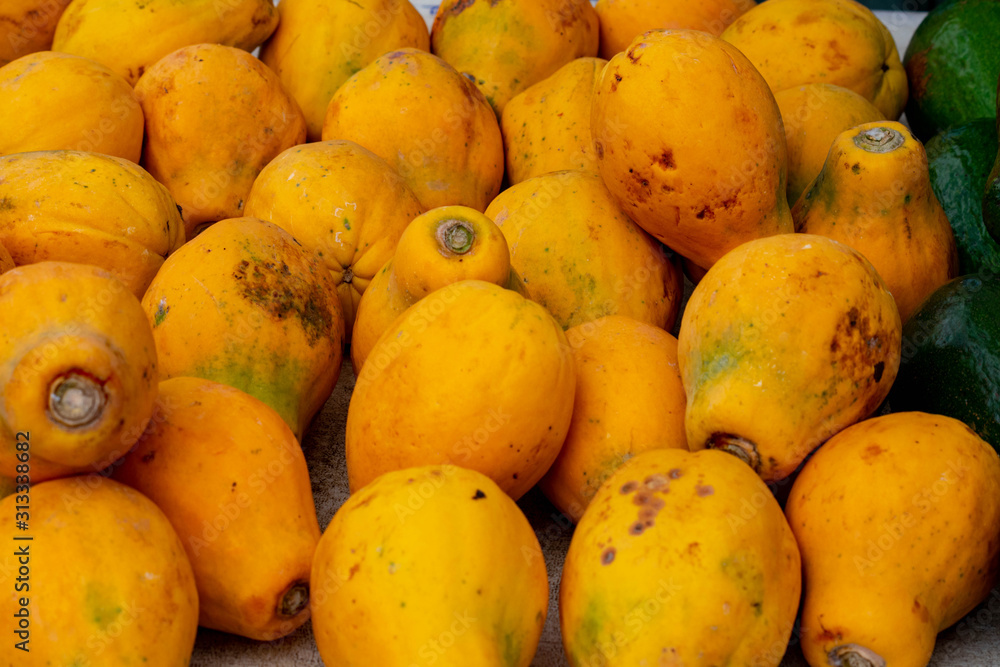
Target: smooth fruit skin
<point x="505" y="47"/>
<point x="952" y="345"/>
<point x="623" y="20"/>
<point x="629" y="398"/>
<point x="78" y="368"/>
<point x="682" y="558"/>
<point x="319" y="44"/>
<point x="187" y="97"/>
<point x="384" y="594"/>
<point x="129" y="36"/>
<point x="579" y="255"/>
<point x="27" y="26"/>
<point x="244" y="304"/>
<point x="440" y="247"/>
<point x="109" y="581"/>
<point x="546" y="128"/>
<point x="429" y="122"/>
<point x="232" y="479"/>
<point x="841" y="42"/>
<point x="814" y="114"/>
<point x="87" y="208"/>
<point x="342" y="201"/>
<point x="39" y="89"/>
<point x="953" y="63"/>
<point x="898" y="520"/>
<point x="679" y="150"/>
<point x="472" y="374"/>
<point x="784" y="342"/>
<point x="874" y="195"/>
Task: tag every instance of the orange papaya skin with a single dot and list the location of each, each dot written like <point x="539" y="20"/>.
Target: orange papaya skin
<point x="27" y="26"/>
<point x="245" y="305"/>
<point x="78" y="368"/>
<point x="242" y="480"/>
<point x="898" y="518"/>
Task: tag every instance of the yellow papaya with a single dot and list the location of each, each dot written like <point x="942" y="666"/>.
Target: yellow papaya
<point x="78" y="368"/>
<point x="27" y="26"/>
<point x="87" y="208"/>
<point x="245" y="305"/>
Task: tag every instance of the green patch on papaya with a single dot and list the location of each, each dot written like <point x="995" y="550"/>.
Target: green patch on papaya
<point x="512" y="645"/>
<point x="101" y="610"/>
<point x="275" y="379"/>
<point x="745" y="572"/>
<point x="587" y="639"/>
<point x="161" y="312"/>
<point x="273" y="288"/>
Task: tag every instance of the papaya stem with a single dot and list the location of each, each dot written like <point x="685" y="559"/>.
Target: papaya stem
<point x="879" y="140"/>
<point x="457" y="236"/>
<point x="741" y="448"/>
<point x="76" y="400"/>
<point x="854" y="655"/>
<point x="294" y="599"/>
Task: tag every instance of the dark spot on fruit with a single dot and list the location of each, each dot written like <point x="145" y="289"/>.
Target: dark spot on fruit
<point x="675" y="473"/>
<point x="608" y="556"/>
<point x="666" y="159"/>
<point x="629" y="487"/>
<point x="879" y="369"/>
<point x="703" y="491"/>
<point x="618" y="78"/>
<point x="599" y="148"/>
<point x="642" y="498"/>
<point x="271" y="287"/>
<point x="856" y="168"/>
<point x="656" y="482"/>
<point x="637" y="528"/>
<point x="479" y="494"/>
<point x="146" y="458"/>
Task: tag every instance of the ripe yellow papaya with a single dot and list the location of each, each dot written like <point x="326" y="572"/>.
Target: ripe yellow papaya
<point x="39" y="89"/>
<point x="342" y="201"/>
<point x="27" y="26"/>
<point x="210" y="172"/>
<point x="440" y="247"/>
<point x="546" y="128"/>
<point x="897" y="518"/>
<point x="129" y="37"/>
<point x="667" y="567"/>
<point x="105" y="579"/>
<point x="430" y="123"/>
<point x="384" y="594"/>
<point x="689" y="141"/>
<point x="78" y="368"/>
<point x="245" y="305"/>
<point x="629" y="398"/>
<point x="87" y="208"/>
<point x="319" y="44"/>
<point x="505" y="47"/>
<point x="238" y="479"/>
<point x="579" y="255"/>
<point x="472" y="374"/>
<point x="784" y="342"/>
<point x="874" y="194"/>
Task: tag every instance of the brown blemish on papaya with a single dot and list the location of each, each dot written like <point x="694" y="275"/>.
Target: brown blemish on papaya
<point x="458" y="7"/>
<point x="7" y="204"/>
<point x="637" y="528"/>
<point x="704" y="490"/>
<point x="479" y="494"/>
<point x="856" y="168"/>
<point x="599" y="148"/>
<point x="656" y="482"/>
<point x="835" y="58"/>
<point x="149" y="456"/>
<point x="921" y="611"/>
<point x="354" y="570"/>
<point x="871" y="451"/>
<point x="666" y="159"/>
<point x="629" y="487"/>
<point x="271" y="287"/>
<point x="608" y="556"/>
<point x="675" y="473"/>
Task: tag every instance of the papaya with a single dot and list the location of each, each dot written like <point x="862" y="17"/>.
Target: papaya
<point x="679" y="150"/>
<point x="428" y="122"/>
<point x="579" y="255"/>
<point x="38" y="90"/>
<point x="438" y="248"/>
<point x="319" y="44"/>
<point x="874" y="194"/>
<point x="622" y="21"/>
<point x="27" y="26"/>
<point x="951" y="353"/>
<point x="546" y="128"/>
<point x="210" y="172"/>
<point x="245" y="305"/>
<point x="813" y="115"/>
<point x="6" y="261"/>
<point x="473" y="375"/>
<point x="665" y="567"/>
<point x="505" y="47"/>
<point x="912" y="546"/>
<point x="78" y="368"/>
<point x="785" y="341"/>
<point x="109" y="582"/>
<point x="129" y="37"/>
<point x="953" y="64"/>
<point x="384" y="594"/>
<point x="87" y="208"/>
<point x="958" y="160"/>
<point x="991" y="196"/>
<point x="629" y="399"/>
<point x="342" y="201"/>
<point x="228" y="472"/>
<point x="840" y="42"/>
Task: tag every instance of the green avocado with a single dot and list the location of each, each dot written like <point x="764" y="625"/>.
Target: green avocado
<point x="959" y="161"/>
<point x="951" y="356"/>
<point x="952" y="64"/>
